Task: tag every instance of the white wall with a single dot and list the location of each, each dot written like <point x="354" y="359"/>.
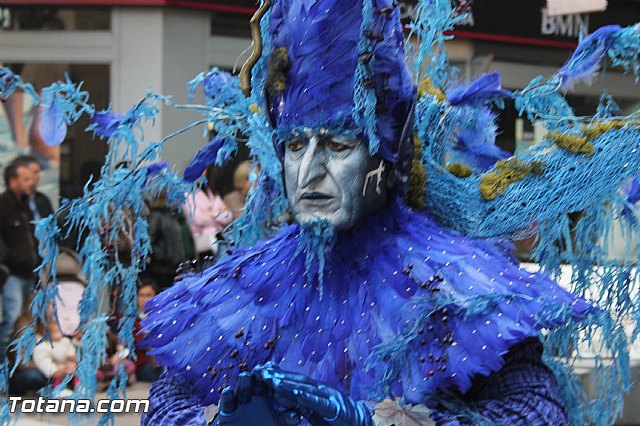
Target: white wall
<point x="163" y="49"/>
<point x="159" y="49"/>
<point x="227" y="52"/>
<point x="50" y="47"/>
<point x="189" y="49"/>
<point x="185" y="35"/>
<point x="137" y="61"/>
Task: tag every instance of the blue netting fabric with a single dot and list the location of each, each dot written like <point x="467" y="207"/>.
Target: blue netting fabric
<point x="565" y="192"/>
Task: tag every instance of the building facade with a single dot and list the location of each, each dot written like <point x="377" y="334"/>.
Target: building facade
<point x="123" y="48"/>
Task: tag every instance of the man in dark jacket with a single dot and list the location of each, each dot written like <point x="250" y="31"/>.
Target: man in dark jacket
<point x="38" y="202"/>
<point x="18" y="247"/>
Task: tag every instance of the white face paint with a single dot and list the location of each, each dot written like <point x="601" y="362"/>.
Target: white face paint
<point x="332" y="177"/>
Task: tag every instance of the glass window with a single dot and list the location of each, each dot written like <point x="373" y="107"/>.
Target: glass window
<point x="53" y="18"/>
<point x="230" y="24"/>
<point x="65" y="169"/>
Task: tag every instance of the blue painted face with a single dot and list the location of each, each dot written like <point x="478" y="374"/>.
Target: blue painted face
<point x="332" y="177"/>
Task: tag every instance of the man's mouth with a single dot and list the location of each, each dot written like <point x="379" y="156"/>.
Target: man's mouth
<point x="315" y="196"/>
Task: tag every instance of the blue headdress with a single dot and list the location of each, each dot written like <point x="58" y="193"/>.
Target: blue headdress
<point x="341" y="64"/>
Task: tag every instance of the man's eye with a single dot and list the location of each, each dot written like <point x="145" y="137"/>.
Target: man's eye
<point x="336" y="146"/>
<point x="295" y="145"/>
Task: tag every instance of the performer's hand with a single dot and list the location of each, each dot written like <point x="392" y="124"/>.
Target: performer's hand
<point x="319" y="404"/>
<point x="248" y="402"/>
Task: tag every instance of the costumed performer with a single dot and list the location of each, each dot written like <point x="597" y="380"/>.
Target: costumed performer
<point x="364" y="298"/>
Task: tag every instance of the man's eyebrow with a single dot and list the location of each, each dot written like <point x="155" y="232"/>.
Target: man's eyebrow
<point x="343" y="140"/>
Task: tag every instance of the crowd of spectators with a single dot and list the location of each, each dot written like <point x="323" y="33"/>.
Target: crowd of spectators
<point x="177" y="234"/>
<point x="20" y="205"/>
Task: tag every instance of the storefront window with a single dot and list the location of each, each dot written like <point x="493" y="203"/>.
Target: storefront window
<point x="65" y="169"/>
<point x="52" y="18"/>
<point x="230" y="24"/>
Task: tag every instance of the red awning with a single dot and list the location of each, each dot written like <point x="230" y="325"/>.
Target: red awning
<point x="244" y="7"/>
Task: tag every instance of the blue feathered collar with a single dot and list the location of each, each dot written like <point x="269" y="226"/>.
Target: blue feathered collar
<point x="408" y="309"/>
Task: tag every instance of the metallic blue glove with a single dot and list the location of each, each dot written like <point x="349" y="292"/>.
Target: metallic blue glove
<point x="248" y="402"/>
<point x="319" y="404"/>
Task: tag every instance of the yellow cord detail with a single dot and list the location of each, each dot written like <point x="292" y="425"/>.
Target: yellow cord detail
<point x="506" y="172"/>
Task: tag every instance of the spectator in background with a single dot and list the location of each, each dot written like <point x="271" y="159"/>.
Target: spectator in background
<point x="117" y="355"/>
<point x="146" y="368"/>
<point x="27" y="378"/>
<point x="241" y="179"/>
<point x="55" y="356"/>
<point x="18" y="246"/>
<point x="39" y="203"/>
<point x="237" y="198"/>
<point x="207" y="215"/>
<point x="187" y="237"/>
<point x="167" y="242"/>
<point x="222" y="180"/>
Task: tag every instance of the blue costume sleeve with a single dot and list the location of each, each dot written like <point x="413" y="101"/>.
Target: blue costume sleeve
<point x="539" y="186"/>
<point x="171" y="404"/>
<point x="523" y="392"/>
<point x="582" y="162"/>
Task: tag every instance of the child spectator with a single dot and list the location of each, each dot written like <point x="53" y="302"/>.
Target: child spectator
<point x="146" y="368"/>
<point x="117" y="355"/>
<point x="241" y="179"/>
<point x="207" y="216"/>
<point x="55" y="357"/>
<point x="237" y="198"/>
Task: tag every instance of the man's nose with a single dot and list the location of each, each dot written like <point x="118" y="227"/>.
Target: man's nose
<point x="313" y="165"/>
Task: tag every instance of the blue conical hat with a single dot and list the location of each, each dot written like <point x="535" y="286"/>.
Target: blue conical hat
<point x="340" y="64"/>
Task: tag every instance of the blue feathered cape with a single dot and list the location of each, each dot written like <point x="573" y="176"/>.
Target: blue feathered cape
<point x="407" y="309"/>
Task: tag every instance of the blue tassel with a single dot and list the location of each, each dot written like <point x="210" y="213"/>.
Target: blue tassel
<point x="483" y="90"/>
<point x="219" y="87"/>
<point x="433" y="19"/>
<point x="91" y="355"/>
<point x="607" y="107"/>
<point x="105" y="123"/>
<point x="586" y="59"/>
<point x="155" y="169"/>
<point x="625" y="51"/>
<point x="52" y="127"/>
<point x="10" y="82"/>
<point x="206" y="156"/>
<point x="364" y="98"/>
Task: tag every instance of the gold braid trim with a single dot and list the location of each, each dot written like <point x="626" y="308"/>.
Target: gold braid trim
<point x="418" y="178"/>
<point x="583" y="144"/>
<point x="598" y="128"/>
<point x="426" y="87"/>
<point x="506" y="172"/>
<point x="278" y="66"/>
<point x="572" y="143"/>
<point x="459" y="170"/>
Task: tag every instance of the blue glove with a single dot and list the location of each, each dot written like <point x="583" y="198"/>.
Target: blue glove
<point x="249" y="401"/>
<point x="319" y="404"/>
